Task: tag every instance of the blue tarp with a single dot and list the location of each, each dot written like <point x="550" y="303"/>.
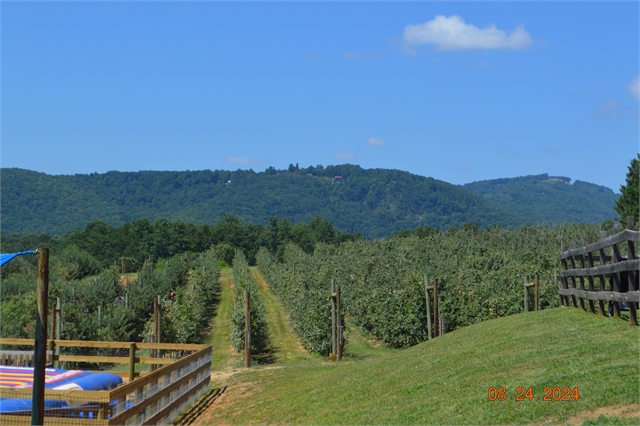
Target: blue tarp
<point x="5" y="258"/>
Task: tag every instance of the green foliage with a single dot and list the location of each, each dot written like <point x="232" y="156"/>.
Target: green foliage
<point x="18" y="316"/>
<point x="304" y="286"/>
<point x="551" y="199"/>
<point x="186" y="319"/>
<point x="480" y="276"/>
<point x="629" y="202"/>
<point x="374" y="202"/>
<point x="244" y="280"/>
<point x="74" y="263"/>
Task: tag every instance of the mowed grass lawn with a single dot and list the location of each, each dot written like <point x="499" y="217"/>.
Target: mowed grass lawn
<point x="446" y="380"/>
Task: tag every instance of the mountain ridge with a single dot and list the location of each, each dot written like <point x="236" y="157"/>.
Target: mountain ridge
<point x="374" y="202"/>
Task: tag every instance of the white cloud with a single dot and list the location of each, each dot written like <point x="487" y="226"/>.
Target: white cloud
<point x="242" y="160"/>
<point x="634" y="87"/>
<point x="343" y="155"/>
<point x="376" y="142"/>
<point x="452" y="33"/>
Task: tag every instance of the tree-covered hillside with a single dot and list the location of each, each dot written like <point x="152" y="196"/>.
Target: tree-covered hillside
<point x="375" y="202"/>
<point x="552" y="199"/>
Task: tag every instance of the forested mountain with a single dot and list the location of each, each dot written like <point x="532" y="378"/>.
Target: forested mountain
<point x="552" y="199"/>
<point x="374" y="202"/>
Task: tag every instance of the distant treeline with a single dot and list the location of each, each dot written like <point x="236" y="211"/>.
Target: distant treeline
<point x="102" y="245"/>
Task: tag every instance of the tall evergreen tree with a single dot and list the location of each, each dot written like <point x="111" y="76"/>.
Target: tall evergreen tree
<point x="628" y="204"/>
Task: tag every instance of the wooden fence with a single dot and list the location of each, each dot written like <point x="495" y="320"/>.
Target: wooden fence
<point x="603" y="261"/>
<point x="156" y="397"/>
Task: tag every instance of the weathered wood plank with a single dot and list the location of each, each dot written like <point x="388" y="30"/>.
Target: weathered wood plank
<point x="632" y="296"/>
<point x="614" y="268"/>
<point x="625" y="235"/>
<point x="108" y="345"/>
<point x="141" y="405"/>
<point x="142" y="381"/>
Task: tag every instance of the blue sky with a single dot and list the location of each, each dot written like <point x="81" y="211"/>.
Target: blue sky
<point x="458" y="91"/>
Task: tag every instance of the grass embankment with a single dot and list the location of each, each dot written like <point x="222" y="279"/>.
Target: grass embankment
<point x="446" y="380"/>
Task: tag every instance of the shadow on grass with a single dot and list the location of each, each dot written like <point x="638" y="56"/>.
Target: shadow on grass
<point x="203" y="403"/>
<point x="266" y="357"/>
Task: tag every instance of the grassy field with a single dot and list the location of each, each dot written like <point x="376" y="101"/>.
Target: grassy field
<point x="446" y="381"/>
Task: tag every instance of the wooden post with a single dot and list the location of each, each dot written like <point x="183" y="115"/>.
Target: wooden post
<point x="526" y="294"/>
<point x="426" y="295"/>
<point x="99" y="316"/>
<point x="40" y="349"/>
<point x="435" y="308"/>
<point x="632" y="275"/>
<point x="536" y="286"/>
<point x="159" y="327"/>
<point x="615" y="282"/>
<point x="52" y="334"/>
<point x="339" y="324"/>
<point x="58" y="328"/>
<point x="132" y="361"/>
<point x="247" y="329"/>
<point x="334" y="332"/>
<point x="603" y="280"/>
<point x="573" y="279"/>
<point x="592" y="288"/>
<point x="154" y="332"/>
<point x="555" y="282"/>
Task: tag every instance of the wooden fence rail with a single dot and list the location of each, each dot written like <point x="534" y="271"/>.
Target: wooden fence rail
<point x="617" y="281"/>
<point x="155" y="398"/>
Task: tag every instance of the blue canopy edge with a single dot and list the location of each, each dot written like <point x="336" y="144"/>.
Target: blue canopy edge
<point x="5" y="258"/>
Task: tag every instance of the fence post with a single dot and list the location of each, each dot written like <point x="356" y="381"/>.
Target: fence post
<point x="615" y="277"/>
<point x="159" y="327"/>
<point x="58" y="328"/>
<point x="132" y="361"/>
<point x="435" y="308"/>
<point x="339" y="323"/>
<point x="631" y="275"/>
<point x="536" y="286"/>
<point x="526" y="295"/>
<point x="52" y="334"/>
<point x="592" y="305"/>
<point x="154" y="332"/>
<point x="40" y="349"/>
<point x="334" y="345"/>
<point x="247" y="329"/>
<point x="603" y="280"/>
<point x="426" y="295"/>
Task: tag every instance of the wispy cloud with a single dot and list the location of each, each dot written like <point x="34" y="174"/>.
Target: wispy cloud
<point x="452" y="33"/>
<point x="376" y="141"/>
<point x="634" y="87"/>
<point x="242" y="160"/>
<point x="608" y="109"/>
<point x="343" y="155"/>
<point x="349" y="54"/>
<point x="464" y="169"/>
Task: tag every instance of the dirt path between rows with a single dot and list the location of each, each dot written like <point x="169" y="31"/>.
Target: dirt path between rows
<point x="224" y="358"/>
<point x="285" y="344"/>
<point x="285" y="347"/>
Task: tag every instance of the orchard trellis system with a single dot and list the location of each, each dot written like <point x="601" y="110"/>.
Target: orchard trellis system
<point x="604" y="261"/>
